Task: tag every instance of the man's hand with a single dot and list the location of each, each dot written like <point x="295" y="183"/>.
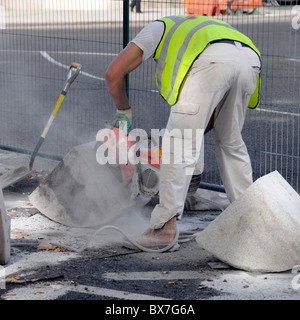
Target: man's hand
<point x="123" y="120"/>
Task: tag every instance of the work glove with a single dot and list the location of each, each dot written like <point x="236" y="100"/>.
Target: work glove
<point x="122" y="120"/>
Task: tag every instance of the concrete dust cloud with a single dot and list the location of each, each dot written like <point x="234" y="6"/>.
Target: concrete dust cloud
<point x="81" y="193"/>
<point x="130" y="224"/>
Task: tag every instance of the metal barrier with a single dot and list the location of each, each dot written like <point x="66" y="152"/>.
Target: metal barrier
<point x="40" y="38"/>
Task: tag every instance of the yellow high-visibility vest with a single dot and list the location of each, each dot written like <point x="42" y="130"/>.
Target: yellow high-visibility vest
<point x="184" y="38"/>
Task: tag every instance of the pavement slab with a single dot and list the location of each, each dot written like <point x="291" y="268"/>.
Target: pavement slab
<point x="47" y="263"/>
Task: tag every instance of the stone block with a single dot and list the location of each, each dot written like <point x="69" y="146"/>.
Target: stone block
<point x="260" y="231"/>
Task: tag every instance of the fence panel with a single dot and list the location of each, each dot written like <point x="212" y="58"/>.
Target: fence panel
<point x="40" y="38"/>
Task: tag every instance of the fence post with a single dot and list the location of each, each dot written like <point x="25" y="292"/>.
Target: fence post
<point x="126" y="35"/>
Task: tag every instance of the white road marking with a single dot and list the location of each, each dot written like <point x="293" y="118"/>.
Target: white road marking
<point x="55" y="291"/>
<point x="50" y="59"/>
<point x="280" y="112"/>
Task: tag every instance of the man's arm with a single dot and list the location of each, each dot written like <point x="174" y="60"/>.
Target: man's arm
<point x="128" y="60"/>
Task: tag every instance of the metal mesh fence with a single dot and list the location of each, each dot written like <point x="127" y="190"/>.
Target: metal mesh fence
<point x="40" y="38"/>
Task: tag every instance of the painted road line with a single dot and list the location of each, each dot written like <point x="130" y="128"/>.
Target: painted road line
<point x="50" y="59"/>
<point x="57" y="291"/>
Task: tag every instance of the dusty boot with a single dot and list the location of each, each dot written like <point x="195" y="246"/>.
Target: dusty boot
<point x="157" y="238"/>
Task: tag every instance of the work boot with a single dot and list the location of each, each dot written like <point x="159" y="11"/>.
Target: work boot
<point x="157" y="238"/>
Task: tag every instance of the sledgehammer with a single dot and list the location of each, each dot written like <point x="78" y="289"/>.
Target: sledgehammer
<point x="18" y="173"/>
<point x="74" y="70"/>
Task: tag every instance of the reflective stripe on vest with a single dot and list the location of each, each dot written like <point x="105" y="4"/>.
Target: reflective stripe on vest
<point x="184" y="38"/>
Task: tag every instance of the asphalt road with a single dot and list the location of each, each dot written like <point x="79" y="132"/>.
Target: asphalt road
<point x="33" y="72"/>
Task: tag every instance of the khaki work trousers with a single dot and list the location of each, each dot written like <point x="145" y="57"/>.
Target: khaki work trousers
<point x="222" y="79"/>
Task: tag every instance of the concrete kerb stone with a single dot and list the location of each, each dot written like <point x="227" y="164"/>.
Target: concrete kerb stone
<point x="260" y="231"/>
